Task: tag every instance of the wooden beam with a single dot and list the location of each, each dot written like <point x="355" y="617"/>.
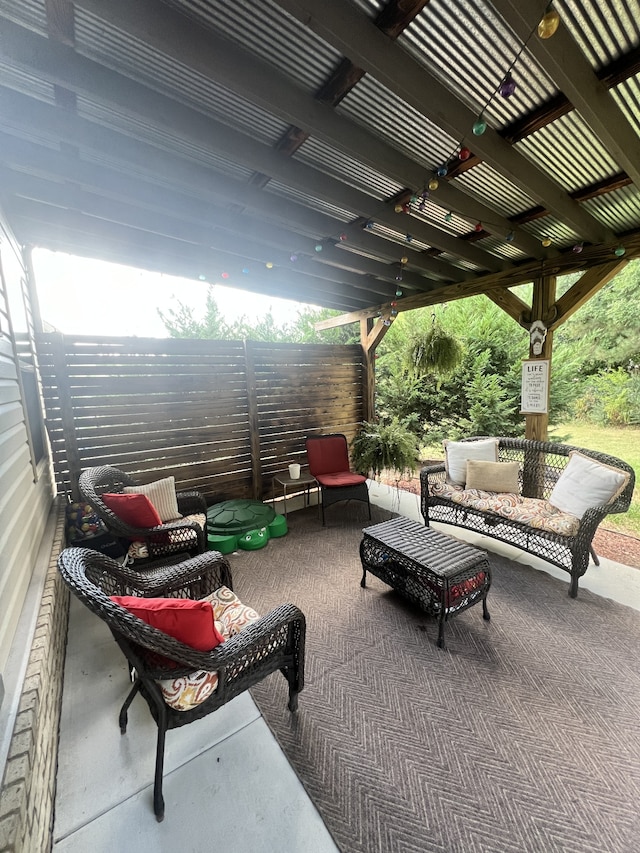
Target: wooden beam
<point x="587" y="286"/>
<point x="511" y="305"/>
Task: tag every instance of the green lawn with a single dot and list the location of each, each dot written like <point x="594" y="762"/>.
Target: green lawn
<point x="623" y="442"/>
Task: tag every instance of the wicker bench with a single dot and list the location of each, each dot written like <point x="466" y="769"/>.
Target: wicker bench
<point x="540" y="465"/>
<point x="437" y="572"/>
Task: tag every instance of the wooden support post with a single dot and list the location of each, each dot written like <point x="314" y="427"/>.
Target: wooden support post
<point x="544" y="295"/>
<point x="369" y="377"/>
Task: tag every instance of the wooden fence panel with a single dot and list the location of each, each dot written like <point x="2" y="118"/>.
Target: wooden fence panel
<point x="222" y="416"/>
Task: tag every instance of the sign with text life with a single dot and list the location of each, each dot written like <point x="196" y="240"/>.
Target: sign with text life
<point x="535" y="387"/>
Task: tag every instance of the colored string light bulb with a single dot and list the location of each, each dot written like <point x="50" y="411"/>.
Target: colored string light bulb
<point x="546" y="241"/>
<point x="369" y="225"/>
<point x="479" y="127"/>
<point x="448" y="217"/>
<point x="293" y="258"/>
<point x="408" y="238"/>
<point x="318" y="247"/>
<point x="404" y="260"/>
<point x="507" y="87"/>
<point x="269" y="265"/>
<point x="464" y="153"/>
<point x="414" y="199"/>
<point x="619" y="252"/>
<point x="399" y="277"/>
<point x="245" y="270"/>
<point x="202" y="277"/>
<point x="548" y="24"/>
<point x="398" y="292"/>
<point x="478" y="226"/>
<point x="224" y="275"/>
<point x="343" y="237"/>
<point x="433" y="184"/>
<point x="398" y="208"/>
<point x="510" y="236"/>
<point x="442" y="171"/>
<point x="577" y="248"/>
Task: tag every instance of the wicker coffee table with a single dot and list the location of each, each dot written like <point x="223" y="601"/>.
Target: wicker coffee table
<point x="442" y="575"/>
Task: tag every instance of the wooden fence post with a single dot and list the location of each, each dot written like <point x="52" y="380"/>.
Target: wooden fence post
<point x="254" y="424"/>
<point x="66" y="414"/>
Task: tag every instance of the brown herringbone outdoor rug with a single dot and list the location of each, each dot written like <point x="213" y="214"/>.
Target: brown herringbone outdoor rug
<point x="524" y="735"/>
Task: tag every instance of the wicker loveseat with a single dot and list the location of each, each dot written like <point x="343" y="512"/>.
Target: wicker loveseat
<point x="525" y="517"/>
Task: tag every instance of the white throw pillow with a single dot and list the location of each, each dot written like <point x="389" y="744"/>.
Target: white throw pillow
<point x="585" y="483"/>
<point x="458" y="452"/>
<point x="162" y="495"/>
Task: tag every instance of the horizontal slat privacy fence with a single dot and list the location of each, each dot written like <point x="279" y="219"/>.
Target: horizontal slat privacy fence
<point x="222" y="416"/>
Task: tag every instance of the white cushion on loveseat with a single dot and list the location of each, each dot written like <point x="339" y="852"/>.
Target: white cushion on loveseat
<point x="458" y="452"/>
<point x="585" y="483"/>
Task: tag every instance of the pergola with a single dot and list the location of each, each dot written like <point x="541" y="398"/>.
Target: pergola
<point x="370" y="157"/>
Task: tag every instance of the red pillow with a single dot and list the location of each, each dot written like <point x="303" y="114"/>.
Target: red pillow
<point x="189" y="621"/>
<point x="136" y="510"/>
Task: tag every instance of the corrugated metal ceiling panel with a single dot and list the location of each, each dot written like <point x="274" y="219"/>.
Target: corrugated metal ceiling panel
<point x="30" y="12"/>
<point x="263" y="28"/>
<point x="372" y="105"/>
<point x="330" y="161"/>
<point x="166" y="140"/>
<point x="603" y="32"/>
<point x="318" y="204"/>
<point x="468" y="47"/>
<point x="133" y="58"/>
<point x="620" y="210"/>
<point x="627" y="97"/>
<point x="494" y="190"/>
<point x="22" y="81"/>
<point x="570" y="153"/>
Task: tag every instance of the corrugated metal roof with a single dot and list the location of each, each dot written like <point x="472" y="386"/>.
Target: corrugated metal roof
<point x="373" y="106"/>
<point x="381" y="132"/>
<point x="603" y="31"/>
<point x="164" y="74"/>
<point x="263" y="28"/>
<point x="330" y="161"/>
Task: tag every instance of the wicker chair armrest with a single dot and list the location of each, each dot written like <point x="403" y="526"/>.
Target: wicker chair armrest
<point x="251" y="644"/>
<point x="432" y="474"/>
<point x="211" y="569"/>
<point x="191" y="503"/>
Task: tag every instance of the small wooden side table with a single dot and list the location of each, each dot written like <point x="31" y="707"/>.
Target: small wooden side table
<point x="304" y="482"/>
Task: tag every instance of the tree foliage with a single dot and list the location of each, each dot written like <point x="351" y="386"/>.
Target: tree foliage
<point x="181" y="322"/>
<point x="596" y="354"/>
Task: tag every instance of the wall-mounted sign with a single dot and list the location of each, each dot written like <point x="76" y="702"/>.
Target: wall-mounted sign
<point x="535" y="387"/>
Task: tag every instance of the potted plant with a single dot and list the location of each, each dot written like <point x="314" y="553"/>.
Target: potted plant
<point x="384" y="446"/>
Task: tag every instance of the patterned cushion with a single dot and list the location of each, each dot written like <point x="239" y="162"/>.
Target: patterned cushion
<point x="535" y="512"/>
<point x="188" y="691"/>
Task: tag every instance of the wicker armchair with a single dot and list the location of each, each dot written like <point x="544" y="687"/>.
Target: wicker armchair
<point x="171" y="541"/>
<point x="273" y="642"/>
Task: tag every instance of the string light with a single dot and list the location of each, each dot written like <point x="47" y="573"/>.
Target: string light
<point x="549" y="24"/>
<point x="619" y="252"/>
<point x="293" y="258"/>
<point x="318" y="247"/>
<point x="269" y="265"/>
<point x="578" y="248"/>
<point x="433" y="184"/>
<point x="546" y="241"/>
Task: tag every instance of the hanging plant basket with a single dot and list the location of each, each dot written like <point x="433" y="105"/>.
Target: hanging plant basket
<point x="384" y="447"/>
<point x="433" y="352"/>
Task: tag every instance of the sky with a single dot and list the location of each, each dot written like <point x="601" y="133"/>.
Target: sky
<point x="86" y="297"/>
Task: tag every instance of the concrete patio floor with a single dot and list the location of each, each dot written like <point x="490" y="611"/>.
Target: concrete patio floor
<point x="227" y="784"/>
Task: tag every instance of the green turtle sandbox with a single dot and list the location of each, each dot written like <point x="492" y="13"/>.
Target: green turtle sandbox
<point x="238" y="516"/>
<point x="242" y="523"/>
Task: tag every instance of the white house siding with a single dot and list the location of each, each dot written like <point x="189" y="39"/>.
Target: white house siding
<point x="26" y="493"/>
